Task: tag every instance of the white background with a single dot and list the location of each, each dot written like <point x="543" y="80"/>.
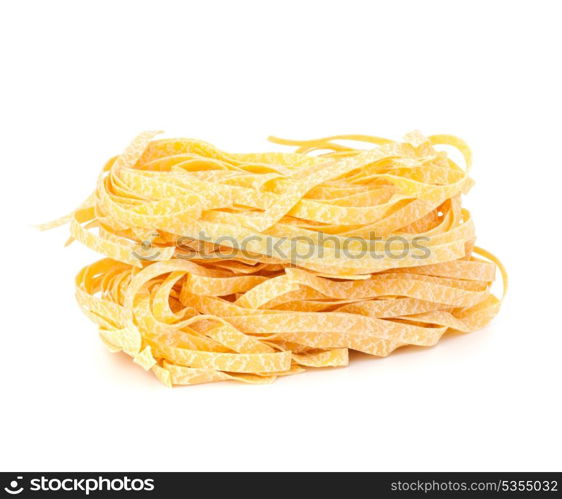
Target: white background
<point x="80" y="79"/>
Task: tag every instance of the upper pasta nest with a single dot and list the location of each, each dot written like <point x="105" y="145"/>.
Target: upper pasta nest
<point x="306" y="207"/>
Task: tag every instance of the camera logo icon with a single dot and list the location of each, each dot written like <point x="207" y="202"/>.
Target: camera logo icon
<point x="13" y="487"/>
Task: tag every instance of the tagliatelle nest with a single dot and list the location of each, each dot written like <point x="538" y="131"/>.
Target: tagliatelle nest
<point x="250" y="266"/>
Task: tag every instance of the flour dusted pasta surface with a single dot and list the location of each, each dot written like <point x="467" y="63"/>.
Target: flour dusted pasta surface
<point x="228" y="266"/>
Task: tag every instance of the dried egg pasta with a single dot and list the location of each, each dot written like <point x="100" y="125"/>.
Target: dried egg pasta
<point x="247" y="267"/>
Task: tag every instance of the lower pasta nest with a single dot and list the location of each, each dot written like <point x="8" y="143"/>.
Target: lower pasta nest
<point x="251" y="266"/>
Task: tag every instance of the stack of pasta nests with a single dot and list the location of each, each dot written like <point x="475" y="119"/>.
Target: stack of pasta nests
<point x="247" y="267"/>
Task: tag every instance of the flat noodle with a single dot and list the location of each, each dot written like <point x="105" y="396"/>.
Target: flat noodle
<point x="251" y="266"/>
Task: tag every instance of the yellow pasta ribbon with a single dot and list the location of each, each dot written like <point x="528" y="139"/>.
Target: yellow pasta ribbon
<point x="246" y="267"/>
